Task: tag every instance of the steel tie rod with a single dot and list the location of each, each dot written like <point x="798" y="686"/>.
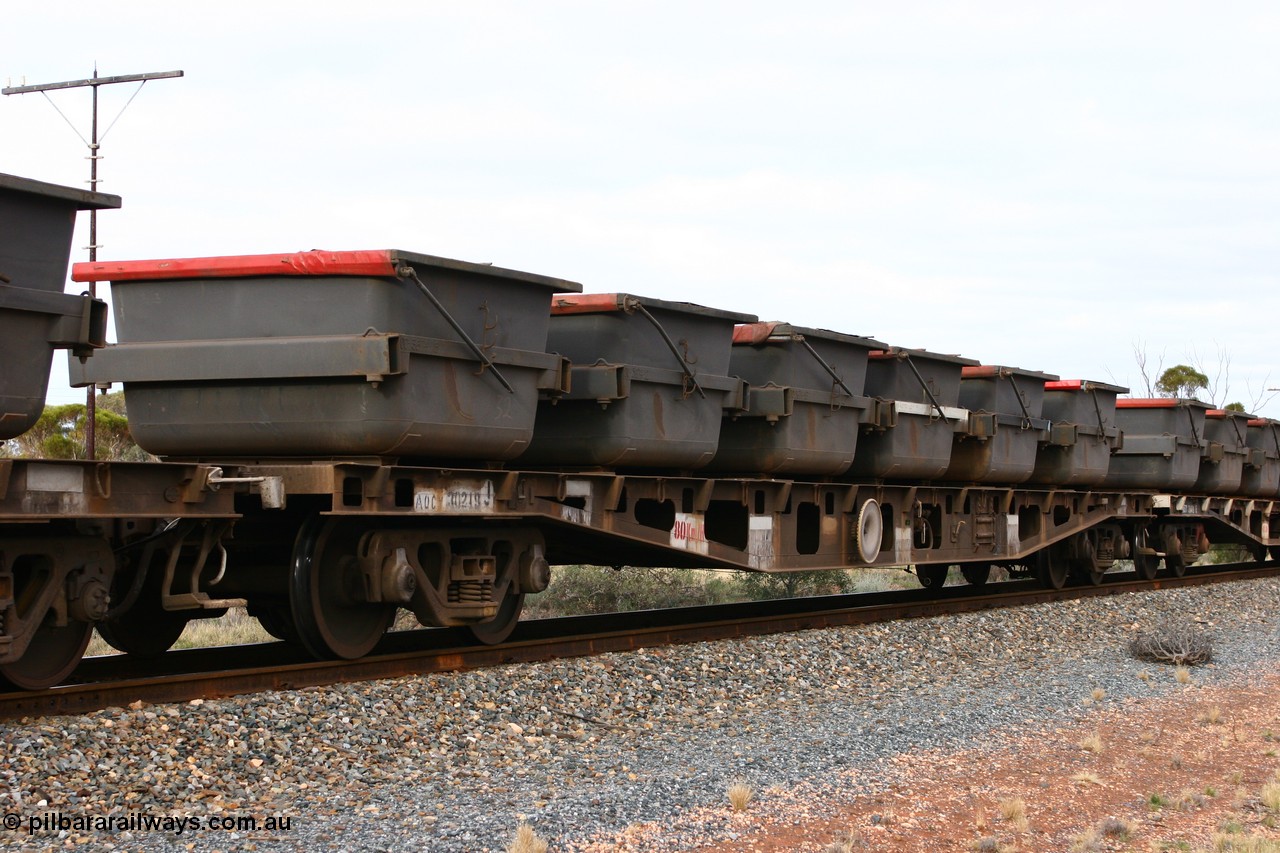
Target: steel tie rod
<point x="1022" y="404"/>
<point x="932" y="399"/>
<point x="633" y="304"/>
<point x="1097" y="408"/>
<point x="813" y="352"/>
<point x="409" y="272"/>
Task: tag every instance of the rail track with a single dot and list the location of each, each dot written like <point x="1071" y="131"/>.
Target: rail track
<point x="114" y="680"/>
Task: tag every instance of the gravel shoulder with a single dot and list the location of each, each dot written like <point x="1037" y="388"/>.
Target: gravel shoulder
<point x="628" y="751"/>
<point x="1185" y="771"/>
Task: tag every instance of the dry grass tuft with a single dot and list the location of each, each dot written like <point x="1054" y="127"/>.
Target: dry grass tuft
<point x="1014" y="812"/>
<point x="740" y="794"/>
<point x="1271" y="796"/>
<point x="846" y="842"/>
<point x="1098" y="694"/>
<point x="1012" y="808"/>
<point x="1223" y="843"/>
<point x="1086" y="778"/>
<point x="1211" y="716"/>
<point x="1087" y="842"/>
<point x="1182" y="675"/>
<point x="1115" y="827"/>
<point x="526" y="841"/>
<point x="234" y="628"/>
<point x="1093" y="743"/>
<point x="1190" y="800"/>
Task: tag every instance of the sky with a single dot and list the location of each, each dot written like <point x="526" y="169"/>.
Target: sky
<point x="1053" y="186"/>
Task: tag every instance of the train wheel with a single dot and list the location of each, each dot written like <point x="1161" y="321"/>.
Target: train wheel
<point x="1085" y="567"/>
<point x="1173" y="559"/>
<point x="1144" y="565"/>
<point x="332" y="620"/>
<point x="52" y="655"/>
<point x="976" y="573"/>
<point x="146" y="629"/>
<point x="497" y="629"/>
<point x="1088" y="572"/>
<point x="932" y="577"/>
<point x="1051" y="568"/>
<point x="276" y="620"/>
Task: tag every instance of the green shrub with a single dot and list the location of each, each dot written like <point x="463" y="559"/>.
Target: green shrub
<point x="59" y="433"/>
<point x="577" y="590"/>
<point x="764" y="587"/>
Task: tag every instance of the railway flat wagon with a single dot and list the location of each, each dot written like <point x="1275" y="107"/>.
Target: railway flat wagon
<point x="351" y="433"/>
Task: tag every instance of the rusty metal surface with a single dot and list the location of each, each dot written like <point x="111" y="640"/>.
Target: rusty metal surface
<point x="1006" y="390"/>
<point x="745" y="523"/>
<point x="913" y="375"/>
<point x="805" y="404"/>
<point x="1262" y="470"/>
<point x="1164" y="442"/>
<point x="651" y="382"/>
<point x="1222" y="469"/>
<point x="630" y="631"/>
<point x="910" y="441"/>
<point x="1074" y="456"/>
<point x="45" y="490"/>
<point x="996" y="449"/>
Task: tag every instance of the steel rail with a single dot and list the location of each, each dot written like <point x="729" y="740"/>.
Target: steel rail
<point x="280" y="667"/>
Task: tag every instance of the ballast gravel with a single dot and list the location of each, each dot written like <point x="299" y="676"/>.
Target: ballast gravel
<point x="585" y="750"/>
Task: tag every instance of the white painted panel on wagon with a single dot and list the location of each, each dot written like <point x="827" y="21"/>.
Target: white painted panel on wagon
<point x="760" y="552"/>
<point x="463" y="498"/>
<point x="689" y="533"/>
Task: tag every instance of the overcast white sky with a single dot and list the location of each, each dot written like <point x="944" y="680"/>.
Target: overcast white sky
<point x="1045" y="185"/>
